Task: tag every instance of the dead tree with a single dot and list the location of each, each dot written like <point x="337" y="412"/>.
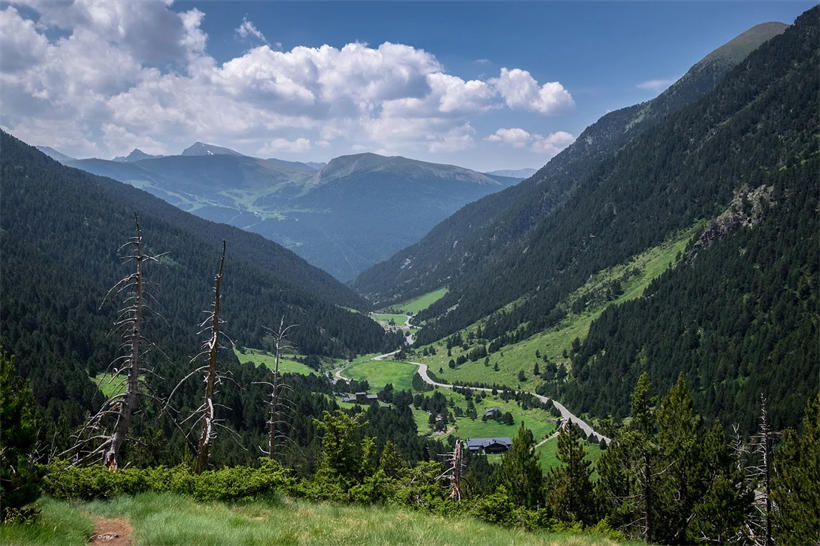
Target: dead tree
<point x="277" y="401"/>
<point x="455" y="469"/>
<point x="761" y="471"/>
<point x="205" y="415"/>
<point x="105" y="432"/>
<point x="212" y="347"/>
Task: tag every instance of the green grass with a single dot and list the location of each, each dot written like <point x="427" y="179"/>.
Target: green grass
<point x="548" y="455"/>
<point x="634" y="276"/>
<point x="385" y="318"/>
<point x="59" y="523"/>
<point x="111" y="384"/>
<point x="287" y="364"/>
<point x="415" y="305"/>
<point x="381" y="372"/>
<point x="165" y="519"/>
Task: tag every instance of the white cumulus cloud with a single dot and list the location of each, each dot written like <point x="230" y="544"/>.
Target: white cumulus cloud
<point x="656" y="85"/>
<point x="522" y="92"/>
<point x="99" y="77"/>
<point x="547" y="145"/>
<point x="248" y="29"/>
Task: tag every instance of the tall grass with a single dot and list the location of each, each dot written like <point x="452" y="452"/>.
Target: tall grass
<point x="166" y="519"/>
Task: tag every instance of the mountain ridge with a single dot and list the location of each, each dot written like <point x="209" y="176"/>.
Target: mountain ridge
<point x="480" y="233"/>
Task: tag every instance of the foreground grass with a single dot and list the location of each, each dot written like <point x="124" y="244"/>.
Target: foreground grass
<point x="166" y="519"/>
<point x="60" y="522"/>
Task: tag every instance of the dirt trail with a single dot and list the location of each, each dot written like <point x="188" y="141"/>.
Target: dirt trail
<point x="112" y="532"/>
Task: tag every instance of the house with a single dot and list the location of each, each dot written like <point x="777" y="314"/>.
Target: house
<point x="362" y="398"/>
<point x="489" y="445"/>
<point x="492" y="413"/>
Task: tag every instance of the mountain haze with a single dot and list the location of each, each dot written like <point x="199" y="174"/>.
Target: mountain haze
<point x="343" y="216"/>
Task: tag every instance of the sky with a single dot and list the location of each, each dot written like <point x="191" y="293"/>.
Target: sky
<point x="485" y="85"/>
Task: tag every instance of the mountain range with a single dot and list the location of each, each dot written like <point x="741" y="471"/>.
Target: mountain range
<point x="735" y="131"/>
<point x="342" y="216"/>
<point x="478" y="235"/>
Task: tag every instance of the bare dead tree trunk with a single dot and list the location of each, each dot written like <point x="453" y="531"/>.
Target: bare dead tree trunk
<point x="281" y="344"/>
<point x="99" y="437"/>
<point x="135" y="318"/>
<point x="456" y="470"/>
<point x="763" y="472"/>
<point x="647" y="497"/>
<point x="212" y="344"/>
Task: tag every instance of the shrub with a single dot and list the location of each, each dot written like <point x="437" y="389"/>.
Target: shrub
<point x="226" y="484"/>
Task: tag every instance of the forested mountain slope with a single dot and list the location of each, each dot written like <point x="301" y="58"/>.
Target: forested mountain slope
<point x="738" y="318"/>
<point x="478" y="235"/>
<point x="60" y="231"/>
<point x="762" y="116"/>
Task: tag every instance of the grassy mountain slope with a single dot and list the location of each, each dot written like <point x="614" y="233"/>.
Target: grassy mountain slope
<point x="478" y="235"/>
<point x="739" y="316"/>
<point x="550" y="350"/>
<point x="684" y="169"/>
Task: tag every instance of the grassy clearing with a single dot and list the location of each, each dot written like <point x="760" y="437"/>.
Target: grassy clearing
<point x="59" y="523"/>
<point x="415" y="305"/>
<point x="381" y="372"/>
<point x="384" y="318"/>
<point x="548" y="455"/>
<point x="165" y="519"/>
<point x="111" y="384"/>
<point x="287" y="364"/>
<point x="539" y="421"/>
<point x="633" y="276"/>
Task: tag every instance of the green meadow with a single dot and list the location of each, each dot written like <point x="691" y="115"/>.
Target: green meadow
<point x="287" y="363"/>
<point x="424" y="301"/>
<point x="111" y="384"/>
<point x="379" y="373"/>
<point x="166" y="519"/>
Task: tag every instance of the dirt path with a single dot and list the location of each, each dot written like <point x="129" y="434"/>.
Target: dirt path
<point x="112" y="532"/>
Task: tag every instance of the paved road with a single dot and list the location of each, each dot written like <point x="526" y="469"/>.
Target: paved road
<point x="566" y="415"/>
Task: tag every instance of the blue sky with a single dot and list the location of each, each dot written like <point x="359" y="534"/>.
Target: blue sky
<point x="486" y="85"/>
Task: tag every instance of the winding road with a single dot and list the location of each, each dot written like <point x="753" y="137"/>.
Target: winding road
<point x="566" y="415"/>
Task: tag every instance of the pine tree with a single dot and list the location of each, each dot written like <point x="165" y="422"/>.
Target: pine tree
<point x="391" y="462"/>
<point x="796" y="492"/>
<point x="520" y="471"/>
<point x="569" y="487"/>
<point x="721" y="512"/>
<point x="19" y="480"/>
<point x="682" y="482"/>
<point x="644" y="423"/>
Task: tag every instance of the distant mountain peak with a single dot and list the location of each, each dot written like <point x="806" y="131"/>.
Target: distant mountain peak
<point x="347" y="165"/>
<point x="201" y="148"/>
<point x="514" y="173"/>
<point x="54" y="154"/>
<point x="135" y="155"/>
<point x="739" y="47"/>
